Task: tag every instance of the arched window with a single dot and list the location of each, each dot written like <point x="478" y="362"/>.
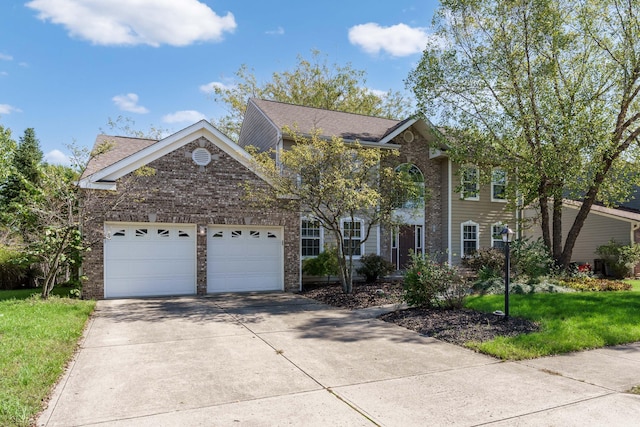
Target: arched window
<point x="416" y="176"/>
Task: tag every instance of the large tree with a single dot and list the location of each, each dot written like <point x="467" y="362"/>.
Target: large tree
<point x="546" y="89"/>
<point x="7" y="149"/>
<point x="313" y="83"/>
<point x="329" y="180"/>
<point x="22" y="181"/>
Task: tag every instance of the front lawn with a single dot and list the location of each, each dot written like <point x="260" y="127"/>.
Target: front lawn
<point x="635" y="284"/>
<point x="569" y="322"/>
<point x="37" y="339"/>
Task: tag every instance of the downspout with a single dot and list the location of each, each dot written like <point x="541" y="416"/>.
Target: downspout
<point x="449" y="216"/>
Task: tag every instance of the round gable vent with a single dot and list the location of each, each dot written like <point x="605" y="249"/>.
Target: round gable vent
<point x="201" y="156"/>
<point x="408" y="136"/>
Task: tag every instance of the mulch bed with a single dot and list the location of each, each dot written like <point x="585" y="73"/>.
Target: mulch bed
<point x="454" y="326"/>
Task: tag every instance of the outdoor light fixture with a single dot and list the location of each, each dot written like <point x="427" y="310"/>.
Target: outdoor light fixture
<point x="202" y="230"/>
<point x="507" y="237"/>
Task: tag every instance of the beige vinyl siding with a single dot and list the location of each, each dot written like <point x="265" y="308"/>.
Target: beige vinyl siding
<point x="446" y="194"/>
<point x="597" y="230"/>
<point x="257" y="130"/>
<point x="483" y="211"/>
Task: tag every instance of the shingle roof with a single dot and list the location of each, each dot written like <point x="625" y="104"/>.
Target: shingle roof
<point x="119" y="147"/>
<point x="348" y="126"/>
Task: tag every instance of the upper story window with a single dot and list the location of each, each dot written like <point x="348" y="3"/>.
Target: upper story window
<point x="498" y="185"/>
<point x="416" y="176"/>
<point x="353" y="231"/>
<point x="469" y="238"/>
<point x="310" y="236"/>
<point x="470" y="176"/>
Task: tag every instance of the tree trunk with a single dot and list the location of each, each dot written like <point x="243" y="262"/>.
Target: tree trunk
<point x="556" y="250"/>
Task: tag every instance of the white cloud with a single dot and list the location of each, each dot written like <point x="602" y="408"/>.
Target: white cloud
<point x="129" y="102"/>
<point x="277" y="32"/>
<point x="208" y="88"/>
<point x="133" y="22"/>
<point x="4" y="57"/>
<point x="185" y="116"/>
<point x="397" y="40"/>
<point x="8" y="109"/>
<point x="3" y="73"/>
<point x="57" y="157"/>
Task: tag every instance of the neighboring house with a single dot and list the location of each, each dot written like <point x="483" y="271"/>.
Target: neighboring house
<point x="603" y="224"/>
<point x="169" y="217"/>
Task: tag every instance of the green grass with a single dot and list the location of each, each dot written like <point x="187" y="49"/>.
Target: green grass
<point x="569" y="322"/>
<point x="635" y="284"/>
<point x="37" y="339"/>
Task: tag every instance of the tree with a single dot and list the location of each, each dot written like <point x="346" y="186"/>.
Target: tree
<point x="545" y="89"/>
<point x="313" y="83"/>
<point x="22" y="181"/>
<point x="331" y="181"/>
<point x="54" y="241"/>
<point x="7" y="149"/>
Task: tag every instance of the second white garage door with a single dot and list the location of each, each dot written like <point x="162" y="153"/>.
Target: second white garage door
<point x="244" y="258"/>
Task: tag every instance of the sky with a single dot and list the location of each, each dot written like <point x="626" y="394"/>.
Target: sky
<point x="68" y="66"/>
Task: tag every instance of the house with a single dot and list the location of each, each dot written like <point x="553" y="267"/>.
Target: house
<point x="603" y="224"/>
<point x="168" y="217"/>
<point x="459" y="217"/>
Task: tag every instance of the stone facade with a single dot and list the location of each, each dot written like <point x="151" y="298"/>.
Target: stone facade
<point x="173" y="189"/>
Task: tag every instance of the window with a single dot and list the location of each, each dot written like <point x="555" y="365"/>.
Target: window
<point x="163" y="233"/>
<point x="498" y="185"/>
<point x="470" y="176"/>
<point x="310" y="234"/>
<point x="496" y="236"/>
<point x="417" y="178"/>
<point x="352" y="230"/>
<point x="470" y="239"/>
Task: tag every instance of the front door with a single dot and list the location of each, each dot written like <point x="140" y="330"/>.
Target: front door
<point x="408" y="238"/>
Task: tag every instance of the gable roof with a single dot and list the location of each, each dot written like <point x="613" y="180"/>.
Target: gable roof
<point x="618" y="213"/>
<point x="348" y="126"/>
<point x="125" y="154"/>
<point x="115" y="148"/>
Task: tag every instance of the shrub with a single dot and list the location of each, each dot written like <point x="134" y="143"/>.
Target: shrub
<point x="325" y="264"/>
<point x="14" y="270"/>
<point x="619" y="259"/>
<point x="373" y="266"/>
<point x="531" y="258"/>
<point x="431" y="284"/>
<point x="486" y="261"/>
<point x="591" y="284"/>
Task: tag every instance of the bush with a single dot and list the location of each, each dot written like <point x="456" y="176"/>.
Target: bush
<point x="325" y="264"/>
<point x="590" y="284"/>
<point x="619" y="259"/>
<point x="431" y="284"/>
<point x="14" y="270"/>
<point x="486" y="261"/>
<point x="373" y="266"/>
<point x="531" y="258"/>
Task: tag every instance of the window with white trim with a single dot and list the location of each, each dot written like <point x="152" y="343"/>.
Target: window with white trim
<point x="496" y="236"/>
<point x="353" y="231"/>
<point x="470" y="177"/>
<point x="470" y="238"/>
<point x="311" y="236"/>
<point x="498" y="185"/>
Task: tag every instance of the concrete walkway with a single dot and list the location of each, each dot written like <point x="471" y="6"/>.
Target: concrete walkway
<point x="281" y="359"/>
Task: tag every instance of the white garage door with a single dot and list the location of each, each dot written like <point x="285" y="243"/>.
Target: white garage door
<point x="241" y="258"/>
<point x="149" y="259"/>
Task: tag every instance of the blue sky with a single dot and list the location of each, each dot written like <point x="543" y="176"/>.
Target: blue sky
<point x="67" y="66"/>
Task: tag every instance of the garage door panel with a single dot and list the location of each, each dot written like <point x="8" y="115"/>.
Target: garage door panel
<point x="244" y="258"/>
<point x="152" y="259"/>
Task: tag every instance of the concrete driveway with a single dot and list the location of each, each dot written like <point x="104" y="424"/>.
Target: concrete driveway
<point x="281" y="359"/>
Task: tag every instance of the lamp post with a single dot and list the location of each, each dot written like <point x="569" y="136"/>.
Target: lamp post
<point x="507" y="236"/>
